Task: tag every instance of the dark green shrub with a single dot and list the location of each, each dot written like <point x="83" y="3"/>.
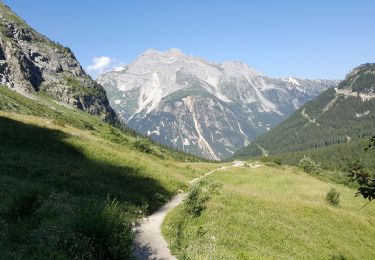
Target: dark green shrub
<point x="195" y="201"/>
<point x="264" y="159"/>
<point x="364" y="176"/>
<point x="270" y="159"/>
<point x="146" y="146"/>
<point x="308" y="165"/>
<point x="115" y="136"/>
<point x="143" y="145"/>
<point x="198" y="196"/>
<point x="333" y="197"/>
<point x="88" y="126"/>
<point x="277" y="160"/>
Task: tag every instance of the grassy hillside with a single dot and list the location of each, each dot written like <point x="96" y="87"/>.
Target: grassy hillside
<point x="44" y="106"/>
<point x="272" y="213"/>
<point x="71" y="185"/>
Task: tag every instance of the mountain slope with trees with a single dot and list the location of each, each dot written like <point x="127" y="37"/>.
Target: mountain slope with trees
<point x="341" y="116"/>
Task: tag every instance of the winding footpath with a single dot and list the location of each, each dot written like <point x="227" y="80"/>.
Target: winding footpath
<point x="149" y="242"/>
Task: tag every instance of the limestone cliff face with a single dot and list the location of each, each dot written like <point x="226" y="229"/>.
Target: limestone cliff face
<point x="31" y="63"/>
<point x="205" y="108"/>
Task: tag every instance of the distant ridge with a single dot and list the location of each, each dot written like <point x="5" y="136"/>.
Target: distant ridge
<point x="338" y="116"/>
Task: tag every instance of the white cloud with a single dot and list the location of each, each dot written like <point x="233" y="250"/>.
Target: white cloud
<point x="102" y="64"/>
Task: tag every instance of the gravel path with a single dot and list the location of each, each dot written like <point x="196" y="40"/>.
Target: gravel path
<point x="149" y="242"/>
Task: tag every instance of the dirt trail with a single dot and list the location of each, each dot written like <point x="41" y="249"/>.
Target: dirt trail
<point x="149" y="242"/>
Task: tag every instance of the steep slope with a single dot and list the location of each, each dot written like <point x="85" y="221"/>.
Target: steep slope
<point x="31" y="63"/>
<point x="342" y="115"/>
<point x="71" y="185"/>
<point x="201" y="107"/>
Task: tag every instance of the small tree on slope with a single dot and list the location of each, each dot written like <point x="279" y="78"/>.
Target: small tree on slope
<point x="364" y="177"/>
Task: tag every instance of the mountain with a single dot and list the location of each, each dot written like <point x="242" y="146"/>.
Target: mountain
<point x="31" y="63"/>
<point x="204" y="108"/>
<point x="329" y="126"/>
<point x="72" y="186"/>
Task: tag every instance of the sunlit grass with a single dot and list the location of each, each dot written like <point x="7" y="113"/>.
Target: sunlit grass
<point x="277" y="213"/>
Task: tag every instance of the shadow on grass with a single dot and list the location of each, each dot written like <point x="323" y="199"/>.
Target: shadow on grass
<point x="56" y="202"/>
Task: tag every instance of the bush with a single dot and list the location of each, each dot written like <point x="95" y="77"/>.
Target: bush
<point x="333" y="197"/>
<point x="196" y="200"/>
<point x="198" y="196"/>
<point x="88" y="126"/>
<point x="364" y="176"/>
<point x="272" y="160"/>
<point x="308" y="165"/>
<point x="115" y="136"/>
<point x="277" y="160"/>
<point x="143" y="145"/>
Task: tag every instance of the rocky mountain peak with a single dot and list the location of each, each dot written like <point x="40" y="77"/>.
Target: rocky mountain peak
<point x="171" y="54"/>
<point x="202" y="107"/>
<point x="360" y="80"/>
<point x="361" y="69"/>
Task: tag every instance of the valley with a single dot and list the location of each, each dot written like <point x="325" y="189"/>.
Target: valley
<point x="337" y="123"/>
<point x="174" y="156"/>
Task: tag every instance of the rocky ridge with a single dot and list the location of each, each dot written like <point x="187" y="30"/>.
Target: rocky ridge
<point x="31" y="63"/>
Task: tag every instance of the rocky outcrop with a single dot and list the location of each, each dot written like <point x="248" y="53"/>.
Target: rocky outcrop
<point x="31" y="63"/>
<point x="360" y="81"/>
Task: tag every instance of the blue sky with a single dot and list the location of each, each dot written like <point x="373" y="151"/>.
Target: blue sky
<point x="304" y="38"/>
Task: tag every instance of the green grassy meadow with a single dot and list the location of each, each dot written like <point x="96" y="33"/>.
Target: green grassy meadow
<point x="273" y="213"/>
<point x="72" y="185"/>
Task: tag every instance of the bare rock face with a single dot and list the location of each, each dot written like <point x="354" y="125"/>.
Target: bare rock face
<point x="204" y="108"/>
<point x="31" y="63"/>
